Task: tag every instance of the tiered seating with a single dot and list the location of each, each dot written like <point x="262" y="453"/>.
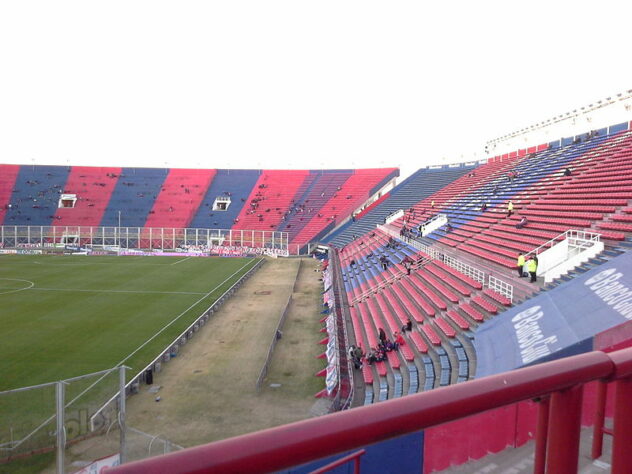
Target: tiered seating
<point x="133" y="196"/>
<point x="458" y="319"/>
<point x="354" y="191"/>
<point x="236" y="184"/>
<point x="423" y="183"/>
<point x="543" y="194"/>
<point x="8" y="175"/>
<point x="432" y="296"/>
<point x="304" y="203"/>
<point x="310" y="205"/>
<point x="35" y="196"/>
<point x="270" y="200"/>
<point x="93" y="188"/>
<point x="180" y="197"/>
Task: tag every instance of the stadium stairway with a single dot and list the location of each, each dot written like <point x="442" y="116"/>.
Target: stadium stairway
<point x="93" y="188"/>
<point x="35" y="195"/>
<point x="134" y="196"/>
<point x="180" y="197"/>
<point x="236" y="184"/>
<point x="416" y="187"/>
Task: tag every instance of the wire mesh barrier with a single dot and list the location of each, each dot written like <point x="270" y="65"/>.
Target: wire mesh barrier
<point x="28" y="421"/>
<point x="141" y="445"/>
<point x="51" y="239"/>
<point x="172" y="349"/>
<point x="55" y="417"/>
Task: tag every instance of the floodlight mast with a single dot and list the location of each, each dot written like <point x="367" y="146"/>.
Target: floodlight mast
<point x="118" y="247"/>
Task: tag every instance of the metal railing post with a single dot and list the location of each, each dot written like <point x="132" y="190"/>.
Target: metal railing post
<point x="622" y="433"/>
<point x="541" y="431"/>
<point x="61" y="435"/>
<point x="600" y="416"/>
<point x="562" y="448"/>
<point x="122" y="433"/>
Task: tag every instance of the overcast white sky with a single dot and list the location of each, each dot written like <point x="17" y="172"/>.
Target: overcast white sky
<point x="278" y="84"/>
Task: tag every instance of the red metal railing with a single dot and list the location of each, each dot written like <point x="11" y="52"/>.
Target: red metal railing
<point x="355" y="457"/>
<point x="559" y="384"/>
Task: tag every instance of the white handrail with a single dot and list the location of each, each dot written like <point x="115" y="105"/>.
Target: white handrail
<point x="581" y="238"/>
<point x="504" y="288"/>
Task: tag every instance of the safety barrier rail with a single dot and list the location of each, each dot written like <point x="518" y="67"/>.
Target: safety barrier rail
<point x="184" y="336"/>
<point x="557" y="385"/>
<point x="502" y="287"/>
<point x="579" y="238"/>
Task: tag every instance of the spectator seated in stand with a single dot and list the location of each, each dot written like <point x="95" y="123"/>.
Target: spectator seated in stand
<point x="522" y="223"/>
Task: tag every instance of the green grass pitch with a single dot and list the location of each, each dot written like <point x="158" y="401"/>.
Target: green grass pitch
<point x="64" y="316"/>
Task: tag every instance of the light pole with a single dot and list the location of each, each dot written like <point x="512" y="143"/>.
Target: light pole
<point x="119" y="233"/>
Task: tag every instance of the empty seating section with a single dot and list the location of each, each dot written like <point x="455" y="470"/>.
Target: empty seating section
<point x="235" y="185"/>
<point x="35" y="196"/>
<point x="590" y="198"/>
<point x="133" y="196"/>
<point x="419" y="185"/>
<point x="311" y="203"/>
<point x="270" y="199"/>
<point x="92" y="188"/>
<point x="180" y="197"/>
<point x="8" y="175"/>
<point x="349" y="192"/>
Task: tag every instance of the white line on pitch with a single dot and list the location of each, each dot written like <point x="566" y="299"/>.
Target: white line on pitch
<point x="120" y="291"/>
<point x="164" y="327"/>
<point x="181" y="260"/>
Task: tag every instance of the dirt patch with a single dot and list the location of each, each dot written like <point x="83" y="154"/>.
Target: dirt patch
<point x="208" y="390"/>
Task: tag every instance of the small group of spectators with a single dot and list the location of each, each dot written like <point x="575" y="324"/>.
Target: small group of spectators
<point x="378" y="353"/>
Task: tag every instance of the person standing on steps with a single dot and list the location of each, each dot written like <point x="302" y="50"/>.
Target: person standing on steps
<point x="382" y="335"/>
<point x="510" y="208"/>
<point x="532" y="267"/>
<point x="520" y="264"/>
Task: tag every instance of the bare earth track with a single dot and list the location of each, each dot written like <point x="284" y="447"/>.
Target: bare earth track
<point x="208" y="391"/>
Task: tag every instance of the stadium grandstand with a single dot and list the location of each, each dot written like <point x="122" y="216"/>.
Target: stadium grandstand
<point x="289" y="237"/>
<point x="421" y="295"/>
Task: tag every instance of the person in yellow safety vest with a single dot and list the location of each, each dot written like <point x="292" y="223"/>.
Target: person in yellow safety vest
<point x="432" y="204"/>
<point x="520" y="264"/>
<point x="509" y="208"/>
<point x="532" y="267"/>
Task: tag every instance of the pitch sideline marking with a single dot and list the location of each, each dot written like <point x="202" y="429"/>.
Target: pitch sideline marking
<point x="181" y="260"/>
<point x="83" y="264"/>
<point x="120" y="291"/>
